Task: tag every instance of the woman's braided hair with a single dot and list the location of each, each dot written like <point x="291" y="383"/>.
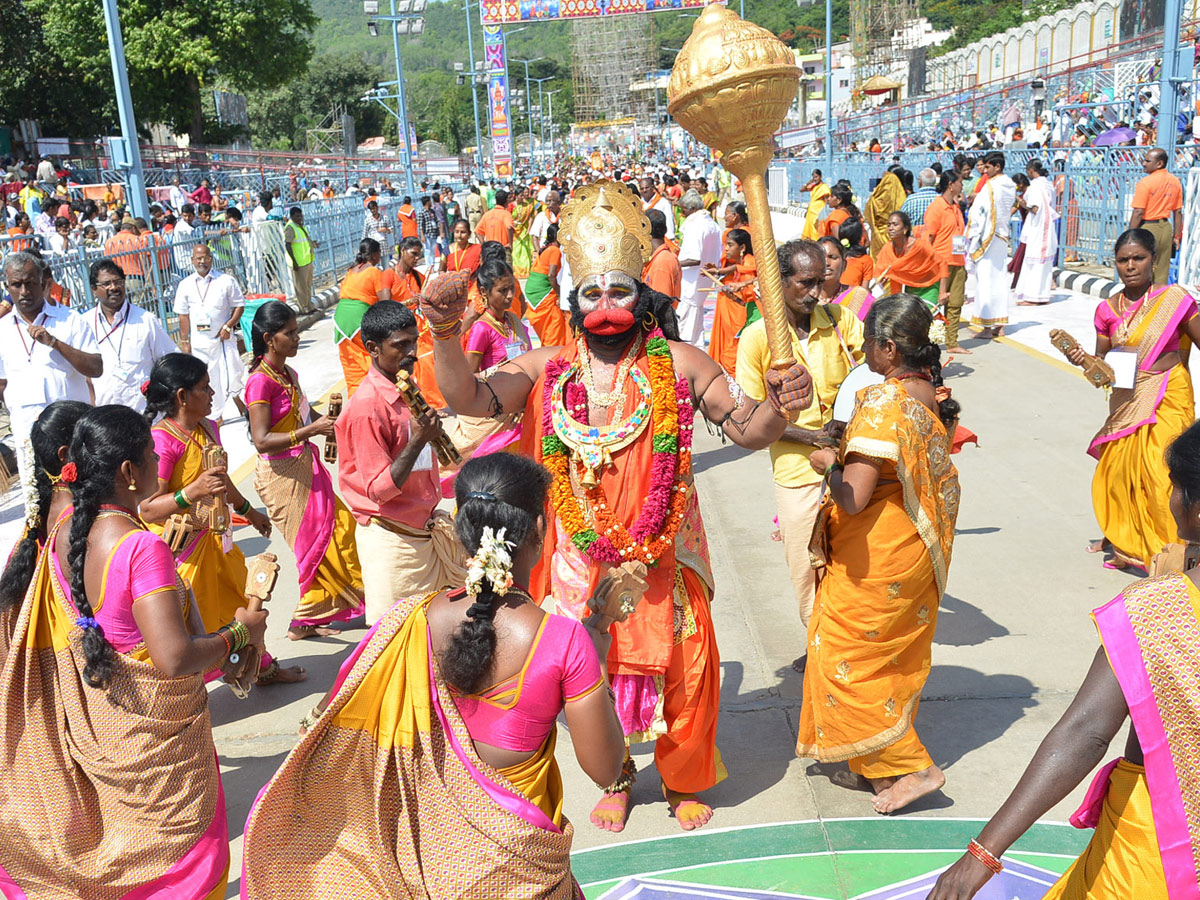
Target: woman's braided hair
<point x="905" y="320"/>
<point x="497" y="491"/>
<point x="51" y="431"/>
<point x="105" y="437"/>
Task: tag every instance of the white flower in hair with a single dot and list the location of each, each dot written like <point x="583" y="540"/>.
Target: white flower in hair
<point x="492" y="561"/>
<point x="33" y="512"/>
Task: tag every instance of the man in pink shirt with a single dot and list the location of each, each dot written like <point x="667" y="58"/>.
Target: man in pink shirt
<point x="388" y="474"/>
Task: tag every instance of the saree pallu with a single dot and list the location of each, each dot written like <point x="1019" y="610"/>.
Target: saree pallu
<point x="355" y="360"/>
<point x="1131" y="489"/>
<point x="1151" y="635"/>
<point x="297" y="492"/>
<point x="857" y="299"/>
<point x="544" y="313"/>
<point x="105" y="794"/>
<point x="731" y="316"/>
<point x="812" y="216"/>
<point x="887" y="197"/>
<point x="871" y="633"/>
<point x="386" y="797"/>
<point x="522" y="248"/>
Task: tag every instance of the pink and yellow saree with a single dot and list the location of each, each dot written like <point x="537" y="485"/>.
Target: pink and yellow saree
<point x="297" y="491"/>
<point x="1130" y="489"/>
<point x="105" y="794"/>
<point x="386" y="797"/>
<point x="1147" y="819"/>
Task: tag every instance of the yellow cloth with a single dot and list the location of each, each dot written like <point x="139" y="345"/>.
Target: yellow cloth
<point x="817" y="199"/>
<point x="871" y="634"/>
<point x="539" y="779"/>
<point x="1122" y="860"/>
<point x="824" y="357"/>
<point x="888" y="197"/>
<point x="217" y="578"/>
<point x="1131" y="489"/>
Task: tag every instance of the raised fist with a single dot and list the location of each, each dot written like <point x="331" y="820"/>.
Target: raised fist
<point x="444" y="299"/>
<point x="789" y="390"/>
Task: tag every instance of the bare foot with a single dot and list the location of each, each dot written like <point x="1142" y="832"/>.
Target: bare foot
<point x="956" y="351"/>
<point x="1096" y="546"/>
<point x="612" y="811"/>
<point x="879" y="785"/>
<point x="300" y="632"/>
<point x="999" y="332"/>
<point x="280" y="675"/>
<point x="907" y="789"/>
<point x="690" y="812"/>
<point x="777" y="535"/>
<point x="799" y="663"/>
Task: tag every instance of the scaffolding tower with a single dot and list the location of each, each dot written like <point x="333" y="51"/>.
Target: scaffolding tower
<point x="882" y="35"/>
<point x="607" y="53"/>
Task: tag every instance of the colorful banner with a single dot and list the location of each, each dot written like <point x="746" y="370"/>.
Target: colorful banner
<point x="497" y="94"/>
<point x="495" y="12"/>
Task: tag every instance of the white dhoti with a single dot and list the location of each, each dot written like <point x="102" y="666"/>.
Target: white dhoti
<point x="992" y="286"/>
<point x="226" y="372"/>
<point x="399" y="561"/>
<point x="1036" y="281"/>
<point x="691" y="323"/>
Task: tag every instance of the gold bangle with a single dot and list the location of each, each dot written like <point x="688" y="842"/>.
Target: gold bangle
<point x="292" y="439"/>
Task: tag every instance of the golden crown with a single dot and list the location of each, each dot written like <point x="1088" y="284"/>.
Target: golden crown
<point x="603" y="229"/>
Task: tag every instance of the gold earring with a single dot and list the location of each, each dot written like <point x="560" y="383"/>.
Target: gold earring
<point x="132" y="486"/>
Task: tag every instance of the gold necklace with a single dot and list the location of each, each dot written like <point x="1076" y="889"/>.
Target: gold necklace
<point x="502" y="327"/>
<point x="616" y="394"/>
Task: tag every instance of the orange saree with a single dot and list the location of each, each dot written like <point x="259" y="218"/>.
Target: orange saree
<point x="871" y="633"/>
<point x="730" y="316"/>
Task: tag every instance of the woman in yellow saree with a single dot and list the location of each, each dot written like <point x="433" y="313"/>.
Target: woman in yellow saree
<point x="892" y="502"/>
<point x="522" y="249"/>
<point x="293" y="482"/>
<point x="109" y="784"/>
<point x="1159" y="324"/>
<point x="179" y="401"/>
<point x="1144" y="805"/>
<point x="431" y="773"/>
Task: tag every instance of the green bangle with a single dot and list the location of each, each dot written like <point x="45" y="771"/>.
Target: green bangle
<point x="181" y="500"/>
<point x="244" y="508"/>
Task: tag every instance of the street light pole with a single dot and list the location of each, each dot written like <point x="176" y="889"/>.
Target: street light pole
<point x="474" y="93"/>
<point x="551" y="94"/>
<point x="529" y="102"/>
<point x="542" y="118"/>
<point x="829" y="86"/>
<point x="1168" y="91"/>
<point x="405" y="134"/>
<point x="135" y="179"/>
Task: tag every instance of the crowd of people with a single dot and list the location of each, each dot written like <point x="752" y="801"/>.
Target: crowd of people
<point x="507" y="502"/>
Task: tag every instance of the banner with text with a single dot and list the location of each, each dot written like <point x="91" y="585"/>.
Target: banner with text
<point x="506" y="11"/>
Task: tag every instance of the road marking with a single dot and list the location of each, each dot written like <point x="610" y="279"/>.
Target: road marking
<point x="1046" y="358"/>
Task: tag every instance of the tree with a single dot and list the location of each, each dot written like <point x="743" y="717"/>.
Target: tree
<point x="177" y="49"/>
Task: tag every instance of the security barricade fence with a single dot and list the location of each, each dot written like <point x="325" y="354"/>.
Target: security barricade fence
<point x="1094" y="187"/>
<point x="255" y="255"/>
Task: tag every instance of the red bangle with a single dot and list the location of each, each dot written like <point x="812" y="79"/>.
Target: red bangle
<point x="228" y="646"/>
<point x="978" y="851"/>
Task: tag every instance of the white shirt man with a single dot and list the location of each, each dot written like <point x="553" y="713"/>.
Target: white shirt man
<point x="130" y="339"/>
<point x="988" y="244"/>
<point x="47" y="352"/>
<point x="544" y="219"/>
<point x="699" y="246"/>
<point x="210" y="305"/>
<point x="177" y="196"/>
<point x="652" y="199"/>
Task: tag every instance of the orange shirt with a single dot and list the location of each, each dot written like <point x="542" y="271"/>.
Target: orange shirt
<point x="363" y="285"/>
<point x="943" y="223"/>
<point x="18" y="245"/>
<point x="122" y="247"/>
<point x="918" y="267"/>
<point x="1158" y="195"/>
<point x="837" y="217"/>
<point x="403" y="288"/>
<point x="550" y="256"/>
<point x="859" y="270"/>
<point x="496" y="225"/>
<point x="407" y="217"/>
<point x="662" y="273"/>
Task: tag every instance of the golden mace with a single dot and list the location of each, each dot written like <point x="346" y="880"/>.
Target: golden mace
<point x="731" y="88"/>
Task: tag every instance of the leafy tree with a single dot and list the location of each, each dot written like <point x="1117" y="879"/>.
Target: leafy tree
<point x="178" y="49"/>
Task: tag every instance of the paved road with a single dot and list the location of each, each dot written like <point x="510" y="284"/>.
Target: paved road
<point x="1013" y="639"/>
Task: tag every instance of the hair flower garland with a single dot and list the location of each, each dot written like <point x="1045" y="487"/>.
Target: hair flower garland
<point x="493" y="561"/>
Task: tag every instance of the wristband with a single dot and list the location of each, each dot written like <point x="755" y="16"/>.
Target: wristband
<point x="977" y="850"/>
<point x="244" y="508"/>
<point x="181" y="500"/>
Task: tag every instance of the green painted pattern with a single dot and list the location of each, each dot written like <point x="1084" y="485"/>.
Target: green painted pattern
<point x="831" y="859"/>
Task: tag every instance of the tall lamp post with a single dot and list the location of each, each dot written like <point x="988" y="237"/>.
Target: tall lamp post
<point x="551" y="94"/>
<point x="542" y="117"/>
<point x="828" y="78"/>
<point x="529" y="101"/>
<point x="131" y="156"/>
<point x="407" y="17"/>
<point x="474" y="97"/>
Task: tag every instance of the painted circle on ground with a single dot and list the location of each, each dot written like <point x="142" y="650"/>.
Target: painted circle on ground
<point x="829" y="859"/>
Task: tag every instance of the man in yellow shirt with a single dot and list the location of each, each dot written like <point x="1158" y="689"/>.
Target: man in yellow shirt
<point x="827" y="340"/>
